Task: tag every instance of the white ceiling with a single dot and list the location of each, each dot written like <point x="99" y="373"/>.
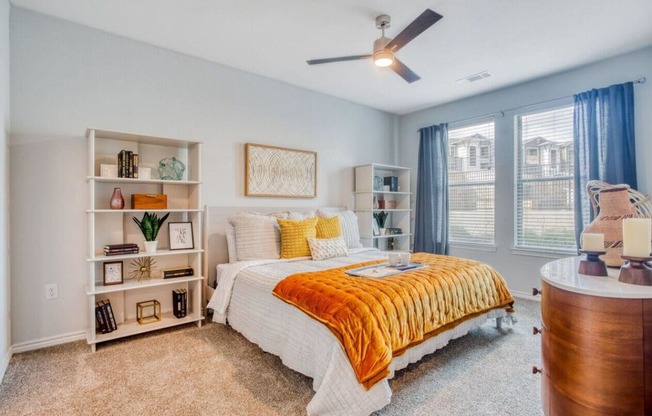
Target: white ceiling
<point x="517" y="40"/>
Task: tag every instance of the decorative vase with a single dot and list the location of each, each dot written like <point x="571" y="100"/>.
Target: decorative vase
<point x="614" y="205"/>
<point x="150" y="246"/>
<point x="117" y="201"/>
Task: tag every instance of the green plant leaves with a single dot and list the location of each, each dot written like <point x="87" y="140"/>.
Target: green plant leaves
<point x="150" y="225"/>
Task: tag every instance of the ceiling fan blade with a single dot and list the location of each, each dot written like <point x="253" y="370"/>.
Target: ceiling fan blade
<point x="405" y="72"/>
<point x="414" y="29"/>
<point x="339" y="59"/>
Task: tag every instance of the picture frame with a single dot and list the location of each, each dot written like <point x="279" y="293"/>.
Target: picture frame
<point x="113" y="273"/>
<point x="181" y="236"/>
<point x="272" y="171"/>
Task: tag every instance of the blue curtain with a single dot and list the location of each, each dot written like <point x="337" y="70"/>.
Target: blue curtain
<point x="604" y="143"/>
<point x="431" y="220"/>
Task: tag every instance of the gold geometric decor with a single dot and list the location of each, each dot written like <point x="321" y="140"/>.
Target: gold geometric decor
<point x="280" y="172"/>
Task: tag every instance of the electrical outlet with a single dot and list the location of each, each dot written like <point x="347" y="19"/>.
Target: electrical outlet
<point x="51" y="291"/>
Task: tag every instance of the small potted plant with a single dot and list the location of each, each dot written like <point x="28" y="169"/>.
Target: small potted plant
<point x="381" y="217"/>
<point x="150" y="226"/>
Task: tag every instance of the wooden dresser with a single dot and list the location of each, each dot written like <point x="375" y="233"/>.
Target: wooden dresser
<point x="596" y="343"/>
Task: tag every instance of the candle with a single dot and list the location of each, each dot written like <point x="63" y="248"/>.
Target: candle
<point x="636" y="237"/>
<point x="592" y="242"/>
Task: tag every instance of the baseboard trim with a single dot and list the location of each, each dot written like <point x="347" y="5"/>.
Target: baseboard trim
<point x="527" y="296"/>
<point x="48" y="342"/>
<point x="5" y="362"/>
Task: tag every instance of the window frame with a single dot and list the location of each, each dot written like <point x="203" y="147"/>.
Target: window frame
<point x="482" y="246"/>
<point x="541" y="251"/>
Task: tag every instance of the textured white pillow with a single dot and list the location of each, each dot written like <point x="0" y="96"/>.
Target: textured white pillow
<point x="256" y="236"/>
<point x="327" y="248"/>
<point x="230" y="244"/>
<point x="296" y="215"/>
<point x="349" y="224"/>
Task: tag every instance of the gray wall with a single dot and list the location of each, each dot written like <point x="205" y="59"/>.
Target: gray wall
<point x="521" y="271"/>
<point x="5" y="289"/>
<point x="66" y="78"/>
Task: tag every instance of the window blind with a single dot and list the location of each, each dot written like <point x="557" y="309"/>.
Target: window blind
<point x="544" y="180"/>
<point x="471" y="184"/>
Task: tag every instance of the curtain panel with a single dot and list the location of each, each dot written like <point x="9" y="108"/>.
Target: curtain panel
<point x="431" y="216"/>
<point x="604" y="143"/>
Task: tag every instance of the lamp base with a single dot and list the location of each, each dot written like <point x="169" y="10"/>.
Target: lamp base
<point x="635" y="271"/>
<point x="592" y="265"/>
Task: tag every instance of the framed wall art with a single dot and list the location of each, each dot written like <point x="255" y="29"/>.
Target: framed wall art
<point x="181" y="237"/>
<point x="279" y="172"/>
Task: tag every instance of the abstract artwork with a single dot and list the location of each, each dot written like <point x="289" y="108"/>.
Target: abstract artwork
<point x="280" y="172"/>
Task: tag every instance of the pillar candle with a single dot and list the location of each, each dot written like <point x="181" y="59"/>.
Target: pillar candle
<point x="592" y="242"/>
<point x="636" y="237"/>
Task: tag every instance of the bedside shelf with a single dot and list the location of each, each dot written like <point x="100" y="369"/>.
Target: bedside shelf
<point x="134" y="284"/>
<point x="158" y="253"/>
<point x="139" y="181"/>
<point x="132" y="327"/>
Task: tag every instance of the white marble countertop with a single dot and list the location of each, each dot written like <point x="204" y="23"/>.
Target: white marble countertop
<point x="563" y="274"/>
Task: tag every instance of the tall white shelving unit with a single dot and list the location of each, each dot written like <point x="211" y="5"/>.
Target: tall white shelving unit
<point x="399" y="217"/>
<point x="110" y="226"/>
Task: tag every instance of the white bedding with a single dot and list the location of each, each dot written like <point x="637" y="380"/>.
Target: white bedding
<point x="244" y="298"/>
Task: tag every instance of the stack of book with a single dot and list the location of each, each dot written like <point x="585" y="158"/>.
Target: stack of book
<point x="180" y="302"/>
<point x="177" y="272"/>
<point x="127" y="164"/>
<point x="104" y="317"/>
<point x="120" y="249"/>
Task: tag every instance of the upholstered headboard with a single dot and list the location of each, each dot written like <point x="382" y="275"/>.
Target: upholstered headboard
<point x="215" y="226"/>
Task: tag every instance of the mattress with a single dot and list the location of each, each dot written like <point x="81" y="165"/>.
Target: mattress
<point x="244" y="298"/>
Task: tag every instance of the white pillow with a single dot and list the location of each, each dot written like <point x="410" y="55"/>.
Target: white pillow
<point x="349" y="224"/>
<point x="230" y="244"/>
<point x="295" y="215"/>
<point x="327" y="248"/>
<point x="256" y="236"/>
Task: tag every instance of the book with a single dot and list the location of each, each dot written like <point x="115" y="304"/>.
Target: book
<point x="109" y="314"/>
<point x="120" y="246"/>
<point x="383" y="270"/>
<point x="135" y="166"/>
<point x="178" y="303"/>
<point x="130" y="164"/>
<point x="121" y="252"/>
<point x="184" y="302"/>
<point x="177" y="272"/>
<point x="101" y="319"/>
<point x="120" y="162"/>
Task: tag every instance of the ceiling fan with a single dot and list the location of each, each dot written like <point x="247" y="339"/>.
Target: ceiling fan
<point x="385" y="48"/>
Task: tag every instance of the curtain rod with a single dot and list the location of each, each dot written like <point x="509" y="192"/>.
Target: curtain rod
<point x="501" y="113"/>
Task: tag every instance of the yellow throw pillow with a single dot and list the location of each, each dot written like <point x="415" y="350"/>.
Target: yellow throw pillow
<point x="329" y="227"/>
<point x="294" y="237"/>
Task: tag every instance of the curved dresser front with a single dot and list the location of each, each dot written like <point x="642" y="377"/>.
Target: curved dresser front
<point x="596" y="343"/>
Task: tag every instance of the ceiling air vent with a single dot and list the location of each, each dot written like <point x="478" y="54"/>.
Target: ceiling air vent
<point x="474" y="78"/>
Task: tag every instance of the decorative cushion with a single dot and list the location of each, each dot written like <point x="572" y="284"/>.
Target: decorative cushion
<point x="327" y="248"/>
<point x="256" y="236"/>
<point x="329" y="227"/>
<point x="349" y="225"/>
<point x="296" y="215"/>
<point x="230" y="244"/>
<point x="294" y="237"/>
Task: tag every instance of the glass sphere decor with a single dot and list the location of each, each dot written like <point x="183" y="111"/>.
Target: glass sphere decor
<point x="171" y="168"/>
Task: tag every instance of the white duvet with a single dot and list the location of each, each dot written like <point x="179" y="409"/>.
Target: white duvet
<point x="244" y="298"/>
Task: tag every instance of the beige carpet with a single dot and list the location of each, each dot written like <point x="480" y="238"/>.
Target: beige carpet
<point x="213" y="370"/>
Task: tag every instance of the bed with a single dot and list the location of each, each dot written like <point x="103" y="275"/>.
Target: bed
<point x="245" y="301"/>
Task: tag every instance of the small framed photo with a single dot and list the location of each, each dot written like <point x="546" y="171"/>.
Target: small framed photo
<point x="376" y="230"/>
<point x="113" y="273"/>
<point x="181" y="237"/>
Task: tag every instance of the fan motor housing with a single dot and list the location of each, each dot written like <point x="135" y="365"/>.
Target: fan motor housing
<point x="383" y="21"/>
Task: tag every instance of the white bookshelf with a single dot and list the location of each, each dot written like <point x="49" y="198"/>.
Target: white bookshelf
<point x="110" y="226"/>
<point x="399" y="216"/>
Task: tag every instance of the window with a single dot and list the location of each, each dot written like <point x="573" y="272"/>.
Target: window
<point x="544" y="182"/>
<point x="471" y="185"/>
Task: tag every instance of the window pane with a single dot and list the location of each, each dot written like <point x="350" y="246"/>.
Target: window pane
<point x="471" y="176"/>
<point x="545" y="178"/>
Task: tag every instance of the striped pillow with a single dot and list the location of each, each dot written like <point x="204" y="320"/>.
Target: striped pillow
<point x="322" y="249"/>
<point x="294" y="237"/>
<point x="349" y="224"/>
<point x="256" y="236"/>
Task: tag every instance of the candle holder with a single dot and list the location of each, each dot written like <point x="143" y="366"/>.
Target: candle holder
<point x="635" y="271"/>
<point x="592" y="265"/>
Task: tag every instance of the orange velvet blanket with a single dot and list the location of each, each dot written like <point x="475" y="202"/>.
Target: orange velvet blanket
<point x="378" y="319"/>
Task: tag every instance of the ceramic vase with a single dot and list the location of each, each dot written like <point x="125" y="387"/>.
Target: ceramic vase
<point x="117" y="201"/>
<point x="614" y="206"/>
<point x="150" y="246"/>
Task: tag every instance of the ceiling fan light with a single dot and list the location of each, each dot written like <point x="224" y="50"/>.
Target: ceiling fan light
<point x="383" y="58"/>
